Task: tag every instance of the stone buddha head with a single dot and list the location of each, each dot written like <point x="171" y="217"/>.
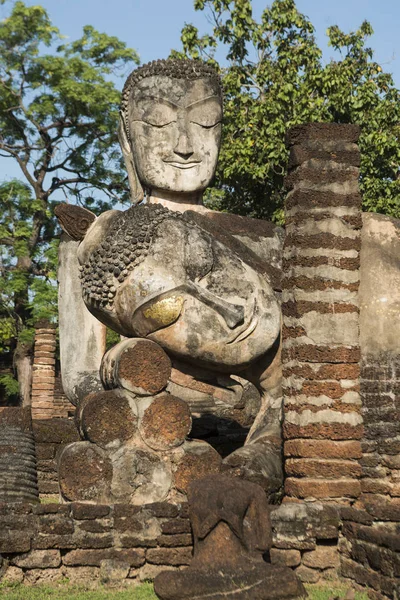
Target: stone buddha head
<point x="170" y="128"/>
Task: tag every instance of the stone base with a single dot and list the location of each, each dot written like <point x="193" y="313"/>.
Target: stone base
<point x="262" y="582"/>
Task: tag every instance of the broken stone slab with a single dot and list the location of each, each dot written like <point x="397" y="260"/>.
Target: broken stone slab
<point x="263" y="582"/>
<point x="232" y="530"/>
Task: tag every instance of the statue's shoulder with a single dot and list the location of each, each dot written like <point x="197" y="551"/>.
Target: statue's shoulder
<point x="246" y="227"/>
<point x="258" y="242"/>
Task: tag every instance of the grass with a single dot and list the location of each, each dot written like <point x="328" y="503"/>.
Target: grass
<point x="328" y="591"/>
<point x="73" y="592"/>
<point x="142" y="592"/>
<point x="50" y="500"/>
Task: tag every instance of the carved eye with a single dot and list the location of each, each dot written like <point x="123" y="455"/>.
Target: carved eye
<point x="156" y="124"/>
<point x="206" y="125"/>
<point x="156" y="115"/>
<point x="207" y="114"/>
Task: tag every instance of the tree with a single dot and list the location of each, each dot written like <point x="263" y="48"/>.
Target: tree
<point x="274" y="79"/>
<point x="58" y="123"/>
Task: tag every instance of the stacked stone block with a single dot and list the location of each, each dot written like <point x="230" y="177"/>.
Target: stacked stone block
<point x="43" y="376"/>
<point x="380" y="365"/>
<point x="51" y="437"/>
<point x="380" y="389"/>
<point x="370" y="548"/>
<point x="48" y="542"/>
<point x="117" y="543"/>
<point x="134" y="434"/>
<point x="321" y="352"/>
<point x="370" y="545"/>
<point x="62" y="407"/>
<point x="305" y="537"/>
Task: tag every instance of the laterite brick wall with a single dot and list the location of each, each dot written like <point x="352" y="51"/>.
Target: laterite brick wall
<point x="321" y="351"/>
<point x="89" y="542"/>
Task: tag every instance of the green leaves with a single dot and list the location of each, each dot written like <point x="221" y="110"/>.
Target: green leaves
<point x="59" y="111"/>
<point x="58" y="121"/>
<point x="275" y="78"/>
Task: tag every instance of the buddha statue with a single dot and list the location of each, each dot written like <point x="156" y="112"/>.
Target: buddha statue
<point x="170" y="271"/>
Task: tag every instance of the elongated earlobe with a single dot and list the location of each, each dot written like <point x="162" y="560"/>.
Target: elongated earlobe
<point x="137" y="193"/>
<point x="74" y="220"/>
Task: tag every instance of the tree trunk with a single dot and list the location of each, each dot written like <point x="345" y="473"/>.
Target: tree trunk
<point x="23" y="354"/>
<point x="23" y="366"/>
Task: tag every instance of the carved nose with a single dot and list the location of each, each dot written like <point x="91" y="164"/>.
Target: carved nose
<point x="184" y="147"/>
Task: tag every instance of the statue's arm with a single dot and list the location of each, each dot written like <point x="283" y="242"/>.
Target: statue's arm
<point x="82" y="336"/>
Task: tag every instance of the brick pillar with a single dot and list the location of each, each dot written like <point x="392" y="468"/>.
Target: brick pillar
<point x="321" y="352"/>
<point x="43" y="376"/>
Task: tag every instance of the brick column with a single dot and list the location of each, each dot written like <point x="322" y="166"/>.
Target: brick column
<point x="321" y="352"/>
<point x="43" y="376"/>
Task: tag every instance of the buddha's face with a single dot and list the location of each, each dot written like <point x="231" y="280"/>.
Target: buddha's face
<point x="187" y="292"/>
<point x="175" y="132"/>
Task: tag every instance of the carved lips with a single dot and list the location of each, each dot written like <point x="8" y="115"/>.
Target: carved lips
<point x="182" y="165"/>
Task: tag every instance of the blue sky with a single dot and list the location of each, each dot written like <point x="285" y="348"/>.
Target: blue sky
<point x="153" y="27"/>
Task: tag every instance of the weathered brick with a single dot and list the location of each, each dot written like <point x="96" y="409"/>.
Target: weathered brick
<point x="132" y="541"/>
<point x="286" y="558"/>
<point x="85" y="540"/>
<point x="322" y="488"/>
<point x="89" y="511"/>
<point x="47" y="466"/>
<point x="310" y="353"/>
<point x="48" y="487"/>
<point x="18" y="508"/>
<point x="307" y="575"/>
<point x="163" y="509"/>
<point x="135" y="558"/>
<point x="293" y="527"/>
<point x="169" y="556"/>
<point x="56" y="525"/>
<point x="38" y="559"/>
<point x="56" y="431"/>
<point x="124" y="516"/>
<point x="376" y="486"/>
<point x="44" y="361"/>
<point x="326" y="469"/>
<point x="323" y="557"/>
<point x="173" y="541"/>
<point x="17" y="523"/>
<point x="14" y="541"/>
<point x="327" y="431"/>
<point x="383" y="511"/>
<point x="322" y="449"/>
<point x="348" y="513"/>
<point x="176" y="526"/>
<point x="51" y="509"/>
<point x="45" y="542"/>
<point x="322" y="132"/>
<point x="96" y="525"/>
<point x="361" y="574"/>
<point x="184" y="510"/>
<point x="45" y="451"/>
